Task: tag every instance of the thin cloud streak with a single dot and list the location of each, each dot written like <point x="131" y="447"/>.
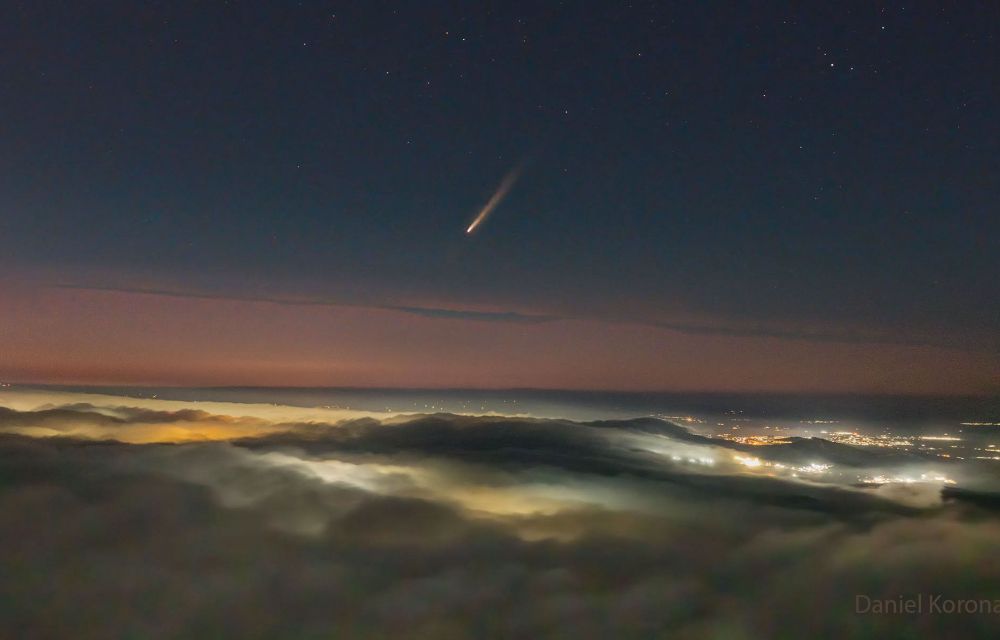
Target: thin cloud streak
<point x="691" y="328"/>
<point x="425" y="312"/>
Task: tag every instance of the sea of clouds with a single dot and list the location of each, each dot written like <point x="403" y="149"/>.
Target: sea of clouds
<point x="122" y="518"/>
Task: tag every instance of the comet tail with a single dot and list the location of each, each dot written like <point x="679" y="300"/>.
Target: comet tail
<point x="496" y="198"/>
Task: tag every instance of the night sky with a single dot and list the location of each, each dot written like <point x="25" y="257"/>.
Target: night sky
<point x="702" y="196"/>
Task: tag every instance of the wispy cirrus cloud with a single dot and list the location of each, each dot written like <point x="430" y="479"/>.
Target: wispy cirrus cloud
<point x="720" y="327"/>
<point x="426" y="312"/>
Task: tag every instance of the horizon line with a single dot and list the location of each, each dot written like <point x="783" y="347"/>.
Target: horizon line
<point x="636" y="392"/>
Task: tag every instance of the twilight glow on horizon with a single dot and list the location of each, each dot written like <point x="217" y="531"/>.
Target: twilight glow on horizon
<point x="68" y="336"/>
<point x="233" y="204"/>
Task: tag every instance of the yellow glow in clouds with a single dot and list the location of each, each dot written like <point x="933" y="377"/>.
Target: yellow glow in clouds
<point x="496" y="198"/>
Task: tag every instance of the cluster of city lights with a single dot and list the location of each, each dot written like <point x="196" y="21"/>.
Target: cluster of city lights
<point x="856" y="439"/>
<point x="685" y="419"/>
<point x="989" y="449"/>
<point x="756" y="441"/>
<point x="754" y="463"/>
<point x="707" y="462"/>
<point x="944" y="445"/>
<point x="923" y="477"/>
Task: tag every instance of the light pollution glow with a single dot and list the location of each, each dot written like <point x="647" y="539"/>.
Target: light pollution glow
<point x="179" y="421"/>
<point x="297" y="500"/>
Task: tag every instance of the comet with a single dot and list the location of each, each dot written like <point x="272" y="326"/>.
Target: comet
<point x="505" y="186"/>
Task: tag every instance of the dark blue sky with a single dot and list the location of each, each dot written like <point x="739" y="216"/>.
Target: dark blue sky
<point x="736" y="168"/>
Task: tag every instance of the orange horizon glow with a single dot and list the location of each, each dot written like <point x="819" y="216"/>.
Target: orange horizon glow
<point x="67" y="336"/>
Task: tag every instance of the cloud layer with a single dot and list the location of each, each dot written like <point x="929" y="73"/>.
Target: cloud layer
<point x="123" y="521"/>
